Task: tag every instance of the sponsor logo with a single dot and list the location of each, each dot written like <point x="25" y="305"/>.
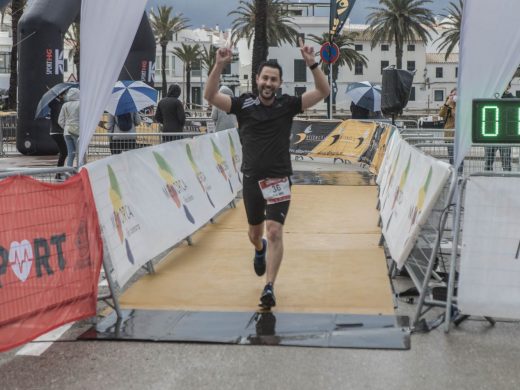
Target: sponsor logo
<point x="45" y="254"/>
<point x="54" y="62"/>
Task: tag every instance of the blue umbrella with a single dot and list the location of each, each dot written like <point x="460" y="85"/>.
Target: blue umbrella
<point x="43" y="105"/>
<point x="366" y="95"/>
<point x="131" y="96"/>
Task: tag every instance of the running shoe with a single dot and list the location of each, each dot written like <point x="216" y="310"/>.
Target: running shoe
<point x="267" y="299"/>
<point x="259" y="260"/>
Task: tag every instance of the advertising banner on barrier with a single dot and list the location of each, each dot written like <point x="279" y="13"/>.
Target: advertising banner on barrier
<point x="381" y="144"/>
<point x="306" y="135"/>
<point x="349" y="141"/>
<point x="150" y="199"/>
<point x="408" y="195"/>
<point x="489" y="279"/>
<point x="50" y="256"/>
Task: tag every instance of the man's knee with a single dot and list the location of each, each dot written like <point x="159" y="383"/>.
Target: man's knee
<point x="274" y="231"/>
<point x="255" y="232"/>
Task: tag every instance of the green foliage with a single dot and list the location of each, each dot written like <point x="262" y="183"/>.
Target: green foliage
<point x="450" y="37"/>
<point x="400" y="21"/>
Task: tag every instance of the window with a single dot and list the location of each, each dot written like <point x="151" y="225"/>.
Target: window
<point x="456" y="71"/>
<point x="358" y="47"/>
<point x="411" y="47"/>
<point x="384" y="64"/>
<point x="279" y="92"/>
<point x="195" y="68"/>
<point x="438" y="95"/>
<point x="5" y="62"/>
<point x="517" y="94"/>
<point x="412" y="95"/>
<point x="300" y="70"/>
<point x="385" y="47"/>
<point x="438" y="72"/>
<point x="299" y="91"/>
<point x="358" y="68"/>
<point x="196" y="96"/>
<point x="158" y="65"/>
<point x="410" y="65"/>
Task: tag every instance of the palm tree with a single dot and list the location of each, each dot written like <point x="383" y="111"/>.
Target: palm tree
<point x="72" y="38"/>
<point x="252" y="18"/>
<point x="450" y="37"/>
<point x="209" y="57"/>
<point x="280" y="27"/>
<point x="347" y="56"/>
<point x="260" y="46"/>
<point x="400" y="21"/>
<point x="164" y="25"/>
<point x="188" y="54"/>
<point x="16" y="10"/>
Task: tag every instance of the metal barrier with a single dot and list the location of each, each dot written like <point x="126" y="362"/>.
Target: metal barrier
<point x="48" y="175"/>
<point x="8" y="134"/>
<point x="106" y="144"/>
<point x="480" y="157"/>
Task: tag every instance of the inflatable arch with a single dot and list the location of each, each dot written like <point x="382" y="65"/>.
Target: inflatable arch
<point x="41" y="65"/>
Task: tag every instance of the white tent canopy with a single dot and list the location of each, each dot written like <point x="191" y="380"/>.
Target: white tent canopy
<point x="108" y="29"/>
<point x="489" y="57"/>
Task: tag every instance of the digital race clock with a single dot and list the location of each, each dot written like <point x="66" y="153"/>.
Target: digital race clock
<point x="496" y="121"/>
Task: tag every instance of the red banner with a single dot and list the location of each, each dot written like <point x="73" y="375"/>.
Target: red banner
<point x="50" y="256"/>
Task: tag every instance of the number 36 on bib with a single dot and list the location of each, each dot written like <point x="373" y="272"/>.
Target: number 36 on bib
<point x="275" y="190"/>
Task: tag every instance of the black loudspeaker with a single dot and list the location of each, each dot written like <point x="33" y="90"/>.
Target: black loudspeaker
<point x="395" y="91"/>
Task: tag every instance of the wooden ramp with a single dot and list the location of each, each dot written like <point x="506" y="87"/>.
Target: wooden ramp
<point x="332" y="262"/>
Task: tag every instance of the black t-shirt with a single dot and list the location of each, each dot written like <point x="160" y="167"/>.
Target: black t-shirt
<point x="265" y="134"/>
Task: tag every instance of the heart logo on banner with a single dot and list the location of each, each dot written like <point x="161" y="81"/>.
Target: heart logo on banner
<point x="21" y="259"/>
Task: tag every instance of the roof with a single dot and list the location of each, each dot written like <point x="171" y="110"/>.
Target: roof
<point x="438" y="58"/>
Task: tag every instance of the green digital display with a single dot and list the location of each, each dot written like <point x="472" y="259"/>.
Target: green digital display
<point x="496" y="121"/>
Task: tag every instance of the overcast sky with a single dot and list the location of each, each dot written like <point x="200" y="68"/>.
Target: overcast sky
<point x="213" y="12"/>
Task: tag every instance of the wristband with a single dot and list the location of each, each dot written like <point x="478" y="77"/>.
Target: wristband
<point x="314" y="66"/>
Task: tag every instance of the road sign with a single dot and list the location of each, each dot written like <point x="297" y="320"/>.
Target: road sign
<point x="329" y="53"/>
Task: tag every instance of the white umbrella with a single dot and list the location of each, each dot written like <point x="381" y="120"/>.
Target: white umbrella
<point x="366" y="95"/>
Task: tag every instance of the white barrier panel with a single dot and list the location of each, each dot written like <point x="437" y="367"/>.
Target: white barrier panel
<point x="408" y="193"/>
<point x="489" y="280"/>
<point x="152" y="198"/>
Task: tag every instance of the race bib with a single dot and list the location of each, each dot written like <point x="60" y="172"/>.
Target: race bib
<point x="275" y="190"/>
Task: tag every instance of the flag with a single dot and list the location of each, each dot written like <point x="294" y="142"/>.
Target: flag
<point x="339" y="12"/>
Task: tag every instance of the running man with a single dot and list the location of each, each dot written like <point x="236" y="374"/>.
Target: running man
<point x="265" y="128"/>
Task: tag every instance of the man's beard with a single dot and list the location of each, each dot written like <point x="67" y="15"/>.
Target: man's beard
<point x="267" y="93"/>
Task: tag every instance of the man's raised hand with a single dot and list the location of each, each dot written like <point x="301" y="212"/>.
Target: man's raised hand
<point x="224" y="55"/>
<point x="307" y="52"/>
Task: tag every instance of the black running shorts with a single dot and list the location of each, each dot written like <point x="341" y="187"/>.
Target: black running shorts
<point x="257" y="209"/>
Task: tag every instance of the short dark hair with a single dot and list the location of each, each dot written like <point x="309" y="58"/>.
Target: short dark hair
<point x="270" y="64"/>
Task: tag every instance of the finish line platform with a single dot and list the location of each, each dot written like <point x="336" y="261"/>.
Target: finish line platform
<point x="332" y="289"/>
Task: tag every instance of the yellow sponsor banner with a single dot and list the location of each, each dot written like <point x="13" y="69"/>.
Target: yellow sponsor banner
<point x="348" y="141"/>
<point x="381" y="149"/>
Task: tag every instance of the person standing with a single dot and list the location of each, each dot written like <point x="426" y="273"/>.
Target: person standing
<point x="170" y="113"/>
<point x="447" y="112"/>
<point x="265" y="129"/>
<point x="69" y="121"/>
<point x="222" y="119"/>
<point x="358" y="112"/>
<point x="124" y="129"/>
<point x="57" y="131"/>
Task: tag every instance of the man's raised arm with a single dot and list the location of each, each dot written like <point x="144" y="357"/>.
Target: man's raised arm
<point x="211" y="93"/>
<point x="321" y="85"/>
